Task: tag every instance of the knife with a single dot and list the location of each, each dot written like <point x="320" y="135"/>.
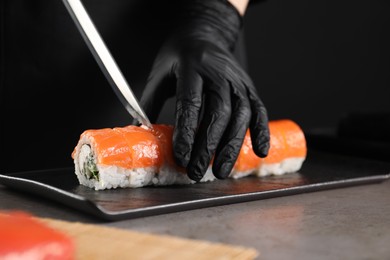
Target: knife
<point x="105" y="60"/>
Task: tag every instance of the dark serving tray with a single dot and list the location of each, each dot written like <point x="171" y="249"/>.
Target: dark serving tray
<point x="320" y="171"/>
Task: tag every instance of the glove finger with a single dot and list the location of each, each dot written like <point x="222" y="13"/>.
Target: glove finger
<point x="213" y="124"/>
<point x="259" y="129"/>
<point x="188" y="104"/>
<point x="259" y="121"/>
<point x="231" y="142"/>
<point x="159" y="87"/>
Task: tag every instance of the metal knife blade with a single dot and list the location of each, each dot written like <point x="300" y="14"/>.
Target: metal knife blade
<point x="105" y="60"/>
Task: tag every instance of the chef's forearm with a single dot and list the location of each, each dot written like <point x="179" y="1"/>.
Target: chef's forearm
<point x="240" y="5"/>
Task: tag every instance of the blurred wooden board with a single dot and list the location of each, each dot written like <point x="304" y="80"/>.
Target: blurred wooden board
<point x="102" y="242"/>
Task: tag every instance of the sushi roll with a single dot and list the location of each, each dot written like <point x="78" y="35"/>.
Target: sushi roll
<point x="129" y="156"/>
<point x="25" y="237"/>
<point x="287" y="152"/>
<point x="134" y="156"/>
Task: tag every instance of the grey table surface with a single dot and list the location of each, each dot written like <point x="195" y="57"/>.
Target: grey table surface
<point x="344" y="223"/>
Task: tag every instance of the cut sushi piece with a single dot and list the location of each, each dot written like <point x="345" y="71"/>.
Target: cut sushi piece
<point x="287" y="152"/>
<point x="128" y="156"/>
<point x="24" y="237"/>
<point x="134" y="156"/>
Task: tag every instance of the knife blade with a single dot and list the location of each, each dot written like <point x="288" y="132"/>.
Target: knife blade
<point x="105" y="60"/>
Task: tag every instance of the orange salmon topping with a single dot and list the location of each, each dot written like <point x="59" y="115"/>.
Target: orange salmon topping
<point x="287" y="140"/>
<point x="127" y="147"/>
<point x="137" y="147"/>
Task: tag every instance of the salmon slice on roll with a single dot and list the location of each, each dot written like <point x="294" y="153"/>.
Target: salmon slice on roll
<point x="134" y="156"/>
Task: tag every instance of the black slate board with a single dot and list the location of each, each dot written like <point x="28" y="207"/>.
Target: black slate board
<point x="320" y="171"/>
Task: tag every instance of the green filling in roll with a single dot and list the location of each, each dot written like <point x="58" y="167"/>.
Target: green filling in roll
<point x="88" y="163"/>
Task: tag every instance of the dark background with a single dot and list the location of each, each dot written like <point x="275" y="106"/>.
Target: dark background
<point x="312" y="61"/>
<point x="316" y="61"/>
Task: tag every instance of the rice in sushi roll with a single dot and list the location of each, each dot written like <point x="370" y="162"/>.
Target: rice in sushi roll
<point x="133" y="156"/>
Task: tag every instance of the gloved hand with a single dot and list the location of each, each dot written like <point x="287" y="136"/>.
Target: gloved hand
<point x="196" y="63"/>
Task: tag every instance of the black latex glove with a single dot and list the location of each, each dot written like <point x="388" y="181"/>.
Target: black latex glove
<point x="197" y="64"/>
